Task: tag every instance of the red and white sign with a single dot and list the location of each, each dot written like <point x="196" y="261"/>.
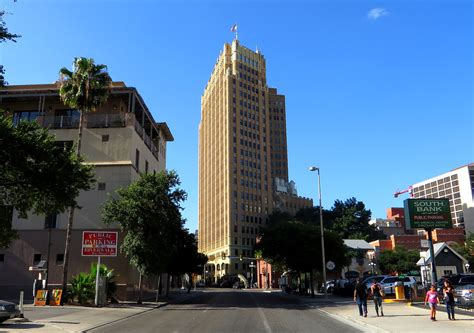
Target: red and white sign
<point x="99" y="243"/>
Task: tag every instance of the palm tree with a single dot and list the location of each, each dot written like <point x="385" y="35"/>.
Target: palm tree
<point x="85" y="89"/>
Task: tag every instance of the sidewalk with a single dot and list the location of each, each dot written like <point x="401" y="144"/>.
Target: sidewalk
<point x="400" y="317"/>
<point x="70" y="318"/>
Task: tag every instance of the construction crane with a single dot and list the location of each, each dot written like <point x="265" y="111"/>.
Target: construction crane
<point x="408" y="190"/>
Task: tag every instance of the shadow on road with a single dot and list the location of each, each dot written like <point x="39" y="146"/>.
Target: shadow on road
<point x="20" y="326"/>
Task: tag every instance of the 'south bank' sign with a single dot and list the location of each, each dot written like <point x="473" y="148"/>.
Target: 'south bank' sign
<point x="427" y="213"/>
<point x="99" y="243"/>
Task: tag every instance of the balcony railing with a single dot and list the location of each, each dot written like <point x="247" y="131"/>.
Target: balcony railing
<point x="105" y="120"/>
<point x="61" y="122"/>
<point x="146" y="139"/>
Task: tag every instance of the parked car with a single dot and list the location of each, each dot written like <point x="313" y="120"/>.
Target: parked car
<point x="8" y="310"/>
<point x="456" y="280"/>
<point x="377" y="278"/>
<point x="388" y="283"/>
<point x="226" y="284"/>
<point x="200" y="284"/>
<point x="238" y="285"/>
<point x="330" y="284"/>
<point x="464" y="295"/>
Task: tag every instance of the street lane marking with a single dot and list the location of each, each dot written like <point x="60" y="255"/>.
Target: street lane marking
<point x="262" y="315"/>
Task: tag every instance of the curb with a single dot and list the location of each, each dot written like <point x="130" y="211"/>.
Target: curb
<point x="351" y="321"/>
<point x="125" y="318"/>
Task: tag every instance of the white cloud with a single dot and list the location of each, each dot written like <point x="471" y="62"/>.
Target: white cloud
<point x="376" y="13"/>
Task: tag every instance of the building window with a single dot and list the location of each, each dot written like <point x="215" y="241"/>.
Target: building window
<point x="137" y="159"/>
<point x="2" y="257"/>
<point x="236" y="252"/>
<point x="101" y="186"/>
<point x="24" y="115"/>
<point x="36" y="258"/>
<point x="105" y="138"/>
<point x="51" y="221"/>
<point x="65" y="145"/>
<point x="236" y="265"/>
<point x="59" y="258"/>
<point x="146" y="167"/>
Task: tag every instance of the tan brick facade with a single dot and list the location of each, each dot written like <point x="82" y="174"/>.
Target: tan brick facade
<point x="242" y="147"/>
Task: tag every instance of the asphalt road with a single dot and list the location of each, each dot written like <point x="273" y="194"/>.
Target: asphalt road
<point x="232" y="311"/>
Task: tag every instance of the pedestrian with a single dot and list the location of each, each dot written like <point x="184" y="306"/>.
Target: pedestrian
<point x="378" y="293"/>
<point x="360" y="297"/>
<point x="433" y="300"/>
<point x="448" y="292"/>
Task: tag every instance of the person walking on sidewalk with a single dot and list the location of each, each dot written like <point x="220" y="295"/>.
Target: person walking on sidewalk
<point x="360" y="297"/>
<point x="377" y="293"/>
<point x="448" y="292"/>
<point x="433" y="300"/>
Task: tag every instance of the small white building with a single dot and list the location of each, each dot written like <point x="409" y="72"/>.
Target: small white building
<point x="447" y="261"/>
<point x="361" y="263"/>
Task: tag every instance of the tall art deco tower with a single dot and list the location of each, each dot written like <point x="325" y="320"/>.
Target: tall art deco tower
<point x="243" y="163"/>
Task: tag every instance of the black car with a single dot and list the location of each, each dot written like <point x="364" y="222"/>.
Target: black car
<point x="8" y="311"/>
<point x="456" y="280"/>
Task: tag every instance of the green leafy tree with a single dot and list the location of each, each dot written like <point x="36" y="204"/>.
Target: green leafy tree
<point x="85" y="89"/>
<point x="5" y="36"/>
<point x="466" y="250"/>
<point x="350" y="219"/>
<point x="186" y="258"/>
<point x="149" y="213"/>
<point x="36" y="175"/>
<point x="297" y="246"/>
<point x="400" y="260"/>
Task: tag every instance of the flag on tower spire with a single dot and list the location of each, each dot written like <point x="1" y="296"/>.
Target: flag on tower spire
<point x="234" y="30"/>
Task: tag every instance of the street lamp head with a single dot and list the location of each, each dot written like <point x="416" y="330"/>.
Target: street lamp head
<point x="313" y="168"/>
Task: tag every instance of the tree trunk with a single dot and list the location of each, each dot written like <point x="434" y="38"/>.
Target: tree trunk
<point x="139" y="301"/>
<point x="157" y="287"/>
<point x="306" y="283"/>
<point x="190" y="282"/>
<point x="71" y="212"/>
<point x="311" y="282"/>
<point x="160" y="285"/>
<point x="167" y="285"/>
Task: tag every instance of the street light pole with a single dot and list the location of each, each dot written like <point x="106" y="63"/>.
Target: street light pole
<point x="323" y="255"/>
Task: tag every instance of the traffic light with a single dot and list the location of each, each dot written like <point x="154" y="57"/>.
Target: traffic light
<point x="223" y="255"/>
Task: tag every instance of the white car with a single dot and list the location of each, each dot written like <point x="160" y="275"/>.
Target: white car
<point x="388" y="284"/>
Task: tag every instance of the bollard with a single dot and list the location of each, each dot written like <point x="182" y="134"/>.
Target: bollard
<point x="21" y="304"/>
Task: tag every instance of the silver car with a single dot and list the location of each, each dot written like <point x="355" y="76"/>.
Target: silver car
<point x="464" y="295"/>
<point x="8" y="310"/>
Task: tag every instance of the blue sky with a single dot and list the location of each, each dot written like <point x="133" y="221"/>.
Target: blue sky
<point x="379" y="93"/>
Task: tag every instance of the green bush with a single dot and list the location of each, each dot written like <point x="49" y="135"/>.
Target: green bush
<point x="82" y="288"/>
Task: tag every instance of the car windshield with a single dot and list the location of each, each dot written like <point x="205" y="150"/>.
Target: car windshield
<point x="390" y="280"/>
